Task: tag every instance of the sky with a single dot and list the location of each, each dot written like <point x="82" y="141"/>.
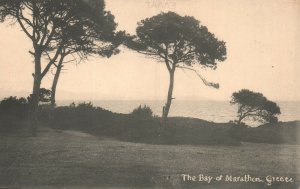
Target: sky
<point x="262" y="40"/>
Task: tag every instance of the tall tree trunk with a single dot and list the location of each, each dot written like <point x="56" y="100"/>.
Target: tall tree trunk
<point x="55" y="81"/>
<point x="167" y="106"/>
<point x="34" y="97"/>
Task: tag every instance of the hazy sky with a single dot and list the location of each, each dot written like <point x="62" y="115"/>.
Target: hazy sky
<point x="263" y="54"/>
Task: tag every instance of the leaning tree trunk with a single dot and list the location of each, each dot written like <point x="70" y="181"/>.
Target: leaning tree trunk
<point x="54" y="84"/>
<point x="167" y="106"/>
<point x="53" y="88"/>
<point x="239" y="121"/>
<point x="241" y="117"/>
<point x="34" y="97"/>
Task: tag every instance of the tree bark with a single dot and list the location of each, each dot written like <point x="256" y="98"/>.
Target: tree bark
<point x="55" y="81"/>
<point x="34" y="97"/>
<point x="167" y="106"/>
<point x="53" y="88"/>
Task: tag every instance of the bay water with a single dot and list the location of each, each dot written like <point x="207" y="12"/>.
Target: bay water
<point x="215" y="111"/>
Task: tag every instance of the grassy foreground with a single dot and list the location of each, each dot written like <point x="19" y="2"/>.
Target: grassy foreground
<point x="71" y="159"/>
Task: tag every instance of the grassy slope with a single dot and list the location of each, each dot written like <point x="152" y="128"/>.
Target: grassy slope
<point x="66" y="158"/>
<point x="130" y="128"/>
<point x="179" y="130"/>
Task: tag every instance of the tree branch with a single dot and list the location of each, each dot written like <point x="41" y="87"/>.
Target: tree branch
<point x="22" y="26"/>
<point x="45" y="30"/>
<point x="52" y="61"/>
<point x="49" y="37"/>
<point x="210" y="84"/>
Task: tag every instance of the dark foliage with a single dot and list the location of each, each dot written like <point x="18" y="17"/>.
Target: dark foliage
<point x="82" y="116"/>
<point x="13" y="106"/>
<point x="13" y="113"/>
<point x="142" y="112"/>
<point x="44" y="97"/>
<point x="253" y="105"/>
<point x="274" y="133"/>
<point x="180" y="39"/>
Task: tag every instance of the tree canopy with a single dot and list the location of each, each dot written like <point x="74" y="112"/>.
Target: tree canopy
<point x="179" y="42"/>
<point x="178" y="39"/>
<point x="255" y="106"/>
<point x="54" y="25"/>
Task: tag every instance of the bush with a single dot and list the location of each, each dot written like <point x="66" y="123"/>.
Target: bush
<point x="142" y="112"/>
<point x="83" y="116"/>
<point x="14" y="107"/>
<point x="13" y="112"/>
<point x="85" y="106"/>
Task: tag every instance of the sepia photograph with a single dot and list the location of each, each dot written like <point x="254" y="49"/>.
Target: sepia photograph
<point x="149" y="94"/>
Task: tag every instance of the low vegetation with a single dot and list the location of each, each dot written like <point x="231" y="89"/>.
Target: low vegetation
<point x="142" y="127"/>
<point x="142" y="112"/>
<point x="139" y="126"/>
<point x="13" y="113"/>
<point x="275" y="133"/>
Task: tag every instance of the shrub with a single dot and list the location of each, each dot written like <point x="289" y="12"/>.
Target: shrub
<point x="83" y="116"/>
<point x="44" y="97"/>
<point x="142" y="112"/>
<point x="13" y="112"/>
<point x="14" y="107"/>
<point x="84" y="106"/>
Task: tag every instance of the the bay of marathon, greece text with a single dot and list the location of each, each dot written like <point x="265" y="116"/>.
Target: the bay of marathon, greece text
<point x="269" y="179"/>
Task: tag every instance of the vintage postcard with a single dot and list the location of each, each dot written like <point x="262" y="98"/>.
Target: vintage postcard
<point x="136" y="94"/>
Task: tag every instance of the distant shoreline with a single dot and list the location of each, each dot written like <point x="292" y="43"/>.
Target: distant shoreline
<point x="215" y="111"/>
